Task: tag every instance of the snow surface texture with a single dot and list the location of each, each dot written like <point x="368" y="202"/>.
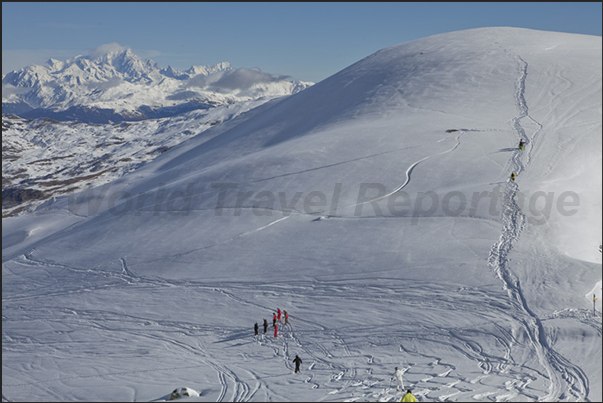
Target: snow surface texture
<point x="319" y="204"/>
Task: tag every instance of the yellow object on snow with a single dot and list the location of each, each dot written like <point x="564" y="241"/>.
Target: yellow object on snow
<point x="408" y="397"/>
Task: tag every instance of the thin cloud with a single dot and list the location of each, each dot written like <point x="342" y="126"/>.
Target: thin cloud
<point x="8" y="91"/>
<point x="106" y="49"/>
<point x="243" y="79"/>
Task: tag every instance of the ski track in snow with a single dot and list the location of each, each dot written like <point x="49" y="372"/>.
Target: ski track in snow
<point x="323" y="347"/>
<point x="410" y="169"/>
<point x="564" y="377"/>
<point x="331" y="361"/>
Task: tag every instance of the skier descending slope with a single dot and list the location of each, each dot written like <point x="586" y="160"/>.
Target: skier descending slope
<point x="398" y="378"/>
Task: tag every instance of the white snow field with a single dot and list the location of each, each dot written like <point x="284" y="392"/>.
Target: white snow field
<point x="375" y="207"/>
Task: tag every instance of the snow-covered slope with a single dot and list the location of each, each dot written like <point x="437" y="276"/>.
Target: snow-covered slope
<point x="44" y="158"/>
<point x="375" y="207"/>
<point x="113" y="84"/>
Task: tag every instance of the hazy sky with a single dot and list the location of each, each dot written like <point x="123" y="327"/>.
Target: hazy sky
<point x="308" y="41"/>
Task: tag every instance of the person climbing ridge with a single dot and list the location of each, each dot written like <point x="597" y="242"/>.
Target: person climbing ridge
<point x="521" y="143"/>
<point x="297" y="362"/>
<point x="513" y="176"/>
<point x="408" y="397"/>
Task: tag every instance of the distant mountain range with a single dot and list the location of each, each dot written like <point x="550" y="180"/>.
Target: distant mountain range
<point x="86" y="121"/>
<point x="114" y="85"/>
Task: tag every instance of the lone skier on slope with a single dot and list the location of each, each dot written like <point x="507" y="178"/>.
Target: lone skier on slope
<point x="408" y="397"/>
<point x="297" y="362"/>
<point x="399" y="381"/>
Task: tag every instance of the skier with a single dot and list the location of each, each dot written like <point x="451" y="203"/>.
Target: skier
<point x="297" y="362"/>
<point x="279" y="314"/>
<point x="273" y="319"/>
<point x="513" y="176"/>
<point x="521" y="143"/>
<point x="265" y="326"/>
<point x="255" y="328"/>
<point x="399" y="381"/>
<point x="408" y="397"/>
<point x="275" y="330"/>
<point x="286" y="317"/>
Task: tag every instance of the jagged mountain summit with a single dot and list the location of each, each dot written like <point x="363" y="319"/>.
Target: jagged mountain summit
<point x="112" y="84"/>
<point x="375" y="207"/>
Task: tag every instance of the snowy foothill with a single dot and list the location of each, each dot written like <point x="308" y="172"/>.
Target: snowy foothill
<point x="376" y="207"/>
<point x="54" y="158"/>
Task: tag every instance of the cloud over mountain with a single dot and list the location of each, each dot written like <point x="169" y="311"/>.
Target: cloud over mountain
<point x="243" y="78"/>
<point x="106" y="49"/>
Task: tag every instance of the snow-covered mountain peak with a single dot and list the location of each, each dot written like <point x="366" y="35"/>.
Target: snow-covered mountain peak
<point x="128" y="64"/>
<point x="113" y="84"/>
<point x="206" y="70"/>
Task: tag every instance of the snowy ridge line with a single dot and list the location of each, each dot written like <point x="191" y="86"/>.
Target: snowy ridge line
<point x="562" y="374"/>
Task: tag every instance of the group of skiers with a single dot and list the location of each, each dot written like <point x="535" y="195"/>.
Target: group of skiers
<point x="276" y="316"/>
<point x="408" y="396"/>
<point x="521" y="144"/>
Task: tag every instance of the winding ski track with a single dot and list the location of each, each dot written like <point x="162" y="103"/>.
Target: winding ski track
<point x="565" y="378"/>
<point x="409" y="171"/>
